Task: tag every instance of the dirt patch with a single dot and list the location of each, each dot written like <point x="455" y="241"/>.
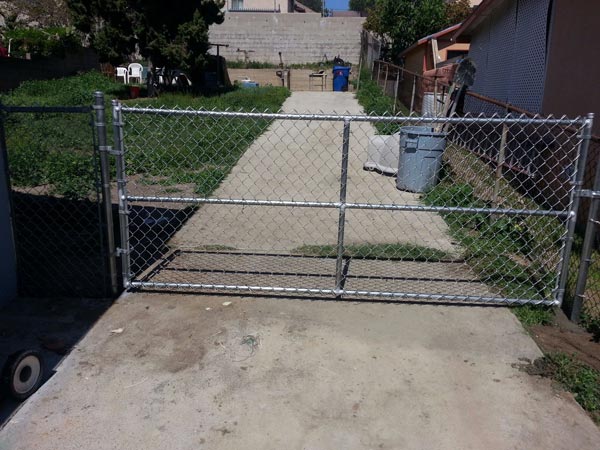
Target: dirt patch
<point x="578" y="343"/>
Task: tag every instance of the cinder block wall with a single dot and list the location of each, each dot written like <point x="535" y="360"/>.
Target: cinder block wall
<point x="301" y="38"/>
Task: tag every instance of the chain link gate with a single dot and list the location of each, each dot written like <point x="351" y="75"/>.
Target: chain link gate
<point x="60" y="207"/>
<point x="222" y="201"/>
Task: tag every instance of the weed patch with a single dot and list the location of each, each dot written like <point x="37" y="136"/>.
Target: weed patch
<point x="375" y="102"/>
<point x="575" y="377"/>
<point x="404" y="252"/>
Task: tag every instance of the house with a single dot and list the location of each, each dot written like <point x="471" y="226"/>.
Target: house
<point x="267" y="6"/>
<point x="538" y="55"/>
<point x="433" y="50"/>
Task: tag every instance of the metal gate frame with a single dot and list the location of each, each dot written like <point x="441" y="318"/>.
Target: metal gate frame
<point x="582" y="125"/>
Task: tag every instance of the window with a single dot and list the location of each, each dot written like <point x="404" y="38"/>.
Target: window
<point x="237" y="4"/>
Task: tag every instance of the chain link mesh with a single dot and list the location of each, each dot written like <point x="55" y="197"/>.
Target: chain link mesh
<point x="249" y="201"/>
<point x="57" y="221"/>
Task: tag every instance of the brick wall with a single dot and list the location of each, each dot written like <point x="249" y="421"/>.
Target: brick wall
<point x="301" y="38"/>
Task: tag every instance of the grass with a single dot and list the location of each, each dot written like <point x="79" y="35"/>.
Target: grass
<point x="530" y="315"/>
<point x="174" y="149"/>
<point x="55" y="150"/>
<point x="575" y="377"/>
<point x="406" y="252"/>
<point x="375" y="102"/>
<point x="517" y="255"/>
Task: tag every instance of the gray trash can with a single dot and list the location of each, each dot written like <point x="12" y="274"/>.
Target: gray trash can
<point x="420" y="159"/>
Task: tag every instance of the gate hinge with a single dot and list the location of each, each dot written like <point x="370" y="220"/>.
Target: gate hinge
<point x="122" y="251"/>
<point x="588" y="193"/>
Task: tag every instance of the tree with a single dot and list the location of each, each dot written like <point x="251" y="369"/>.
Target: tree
<point x="402" y="22"/>
<point x="315" y="5"/>
<point x="170" y="33"/>
<point x="457" y="11"/>
<point x="45" y="13"/>
<point x="361" y="6"/>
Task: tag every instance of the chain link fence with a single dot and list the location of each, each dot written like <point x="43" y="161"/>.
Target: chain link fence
<point x="416" y="93"/>
<point x="59" y="226"/>
<point x="301" y="204"/>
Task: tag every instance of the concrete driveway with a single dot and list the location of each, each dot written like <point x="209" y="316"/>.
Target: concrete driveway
<point x="187" y="372"/>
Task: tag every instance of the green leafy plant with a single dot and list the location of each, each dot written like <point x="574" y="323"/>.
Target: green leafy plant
<point x="530" y="315"/>
<point x="70" y="174"/>
<point x="578" y="378"/>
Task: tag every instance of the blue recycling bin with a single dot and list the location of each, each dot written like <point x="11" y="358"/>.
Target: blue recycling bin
<point x="340" y="78"/>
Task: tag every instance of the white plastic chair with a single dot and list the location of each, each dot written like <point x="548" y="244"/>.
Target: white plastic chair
<point x="134" y="72"/>
<point x="121" y="72"/>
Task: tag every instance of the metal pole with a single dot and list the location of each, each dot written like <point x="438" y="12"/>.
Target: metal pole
<point x="396" y="90"/>
<point x="122" y="192"/>
<point x="9" y="192"/>
<point x="412" y="97"/>
<point x="586" y="251"/>
<point x="339" y="266"/>
<point x="378" y="72"/>
<point x="103" y="150"/>
<point x="387" y="69"/>
<point x="500" y="165"/>
<point x="435" y="97"/>
<point x="586" y="135"/>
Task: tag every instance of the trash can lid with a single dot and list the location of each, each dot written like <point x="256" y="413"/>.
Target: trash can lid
<point x="343" y="68"/>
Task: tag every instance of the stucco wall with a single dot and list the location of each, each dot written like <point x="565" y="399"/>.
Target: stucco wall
<point x="573" y="64"/>
<point x="509" y="52"/>
<point x="301" y="38"/>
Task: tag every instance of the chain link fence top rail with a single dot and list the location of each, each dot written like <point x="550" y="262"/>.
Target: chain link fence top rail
<point x="54" y="177"/>
<point x="282" y="203"/>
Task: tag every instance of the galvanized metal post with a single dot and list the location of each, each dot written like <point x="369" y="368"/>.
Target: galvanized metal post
<point x="124" y="249"/>
<point x="339" y="266"/>
<point x="586" y="250"/>
<point x="412" y="97"/>
<point x="396" y="90"/>
<point x="586" y="135"/>
<point x="14" y="256"/>
<point x="103" y="150"/>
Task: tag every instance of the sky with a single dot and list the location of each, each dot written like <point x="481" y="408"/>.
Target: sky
<point x="337" y="4"/>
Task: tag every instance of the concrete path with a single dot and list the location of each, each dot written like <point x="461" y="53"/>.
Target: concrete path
<point x="269" y="374"/>
<point x="299" y="160"/>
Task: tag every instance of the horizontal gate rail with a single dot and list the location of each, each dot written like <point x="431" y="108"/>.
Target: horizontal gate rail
<point x="345" y="292"/>
<point x="386" y="207"/>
